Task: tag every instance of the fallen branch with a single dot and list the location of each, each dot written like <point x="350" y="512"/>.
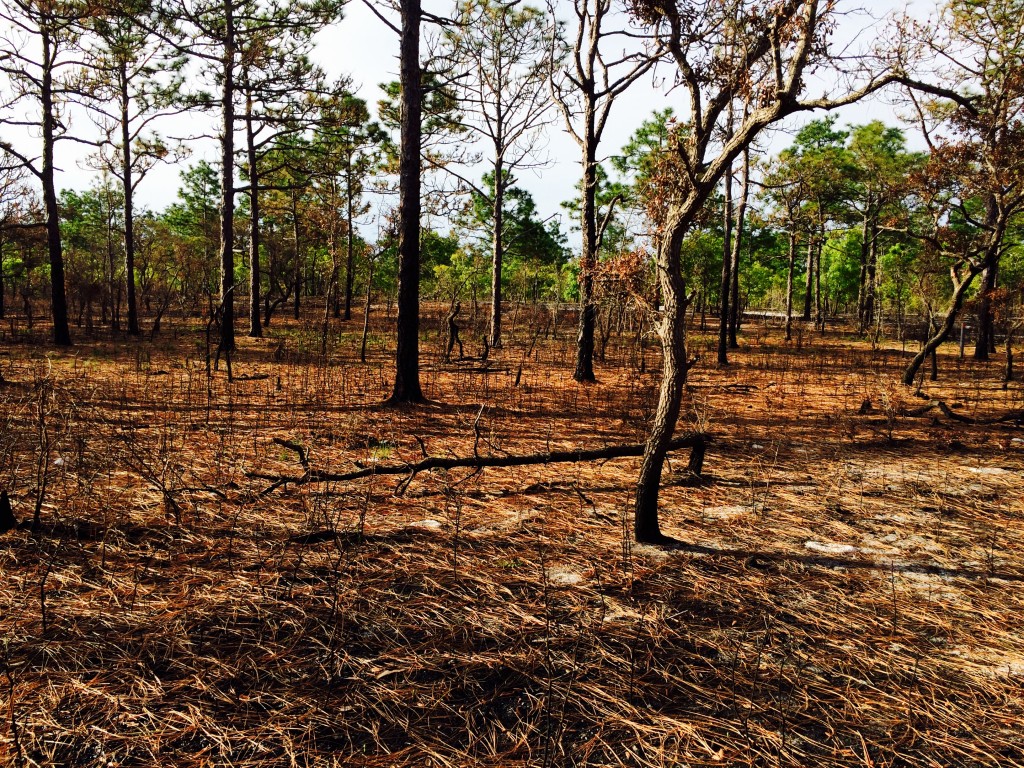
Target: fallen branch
<point x="950" y="414"/>
<point x="697" y="442"/>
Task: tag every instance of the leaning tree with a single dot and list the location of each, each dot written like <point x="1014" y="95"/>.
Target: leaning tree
<point x="757" y="53"/>
<point x="972" y="118"/>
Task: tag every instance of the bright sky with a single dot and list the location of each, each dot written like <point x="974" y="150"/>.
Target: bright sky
<point x="363" y="47"/>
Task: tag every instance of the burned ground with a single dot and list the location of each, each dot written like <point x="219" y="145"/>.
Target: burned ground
<point x="847" y="590"/>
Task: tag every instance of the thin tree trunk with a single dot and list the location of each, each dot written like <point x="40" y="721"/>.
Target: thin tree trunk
<point x="129" y="206"/>
<point x="58" y="294"/>
<point x="584" y="370"/>
<point x="870" y="300"/>
<point x="862" y="290"/>
<point x="819" y="313"/>
<point x="255" y="327"/>
<point x="497" y="254"/>
<point x="227" y="199"/>
<point x="296" y="245"/>
<point x="961" y="287"/>
<point x="789" y="285"/>
<point x="350" y="246"/>
<point x="726" y="285"/>
<point x="3" y="288"/>
<point x="809" y="279"/>
<point x="737" y="241"/>
<point x="366" y="313"/>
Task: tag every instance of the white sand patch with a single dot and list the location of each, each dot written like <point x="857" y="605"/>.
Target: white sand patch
<point x="727" y="512"/>
<point x="564" y="577"/>
<point x="970" y="489"/>
<point x="990" y="471"/>
<point x="831" y="548"/>
<point x="429" y="524"/>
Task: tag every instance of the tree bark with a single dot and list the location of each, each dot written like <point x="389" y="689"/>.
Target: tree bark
<point x="584" y="370"/>
<point x="407" y="363"/>
<point x="726" y="286"/>
<point x="789" y="285"/>
<point x="129" y="205"/>
<point x="227" y="199"/>
<point x="58" y="294"/>
<point x="497" y="254"/>
<point x="296" y="246"/>
<point x="255" y="328"/>
<point x="809" y="279"/>
<point x="350" y="252"/>
<point x="961" y="287"/>
<point x="737" y="242"/>
<point x="675" y="366"/>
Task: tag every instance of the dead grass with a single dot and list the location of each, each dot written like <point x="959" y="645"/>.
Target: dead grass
<point x="849" y="594"/>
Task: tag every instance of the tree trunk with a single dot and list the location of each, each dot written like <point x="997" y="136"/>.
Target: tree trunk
<point x="584" y="370"/>
<point x="58" y="294"/>
<point x="407" y="357"/>
<point x="255" y="327"/>
<point x="870" y="307"/>
<point x="789" y="285"/>
<point x="227" y="198"/>
<point x="675" y="366"/>
<point x="3" y="288"/>
<point x="986" y="321"/>
<point x="129" y="205"/>
<point x="862" y="290"/>
<point x="809" y="278"/>
<point x="350" y="252"/>
<point x="737" y="241"/>
<point x="947" y="325"/>
<point x="497" y="254"/>
<point x="366" y="313"/>
<point x="297" y="255"/>
<point x="723" y="314"/>
<point x="819" y="316"/>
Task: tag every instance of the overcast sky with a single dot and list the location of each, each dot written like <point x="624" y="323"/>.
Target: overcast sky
<point x="365" y="49"/>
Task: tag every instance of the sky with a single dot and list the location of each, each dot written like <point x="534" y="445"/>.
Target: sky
<point x="364" y="48"/>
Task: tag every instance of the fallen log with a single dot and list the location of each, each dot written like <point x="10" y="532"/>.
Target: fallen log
<point x="697" y="442"/>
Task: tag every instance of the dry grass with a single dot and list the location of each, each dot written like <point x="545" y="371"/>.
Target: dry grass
<point x="849" y="594"/>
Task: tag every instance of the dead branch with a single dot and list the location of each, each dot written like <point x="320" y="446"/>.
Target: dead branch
<point x="697" y="442"/>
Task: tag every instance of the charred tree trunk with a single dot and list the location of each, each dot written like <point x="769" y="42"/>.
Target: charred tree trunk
<point x="789" y="286"/>
<point x="255" y="327"/>
<point x="349" y="246"/>
<point x="497" y="254"/>
<point x="407" y="357"/>
<point x="128" y="191"/>
<point x="297" y="301"/>
<point x="985" y="344"/>
<point x="227" y="200"/>
<point x="584" y="370"/>
<point x="58" y="294"/>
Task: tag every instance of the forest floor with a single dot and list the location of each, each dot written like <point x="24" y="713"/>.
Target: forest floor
<point x="847" y="591"/>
